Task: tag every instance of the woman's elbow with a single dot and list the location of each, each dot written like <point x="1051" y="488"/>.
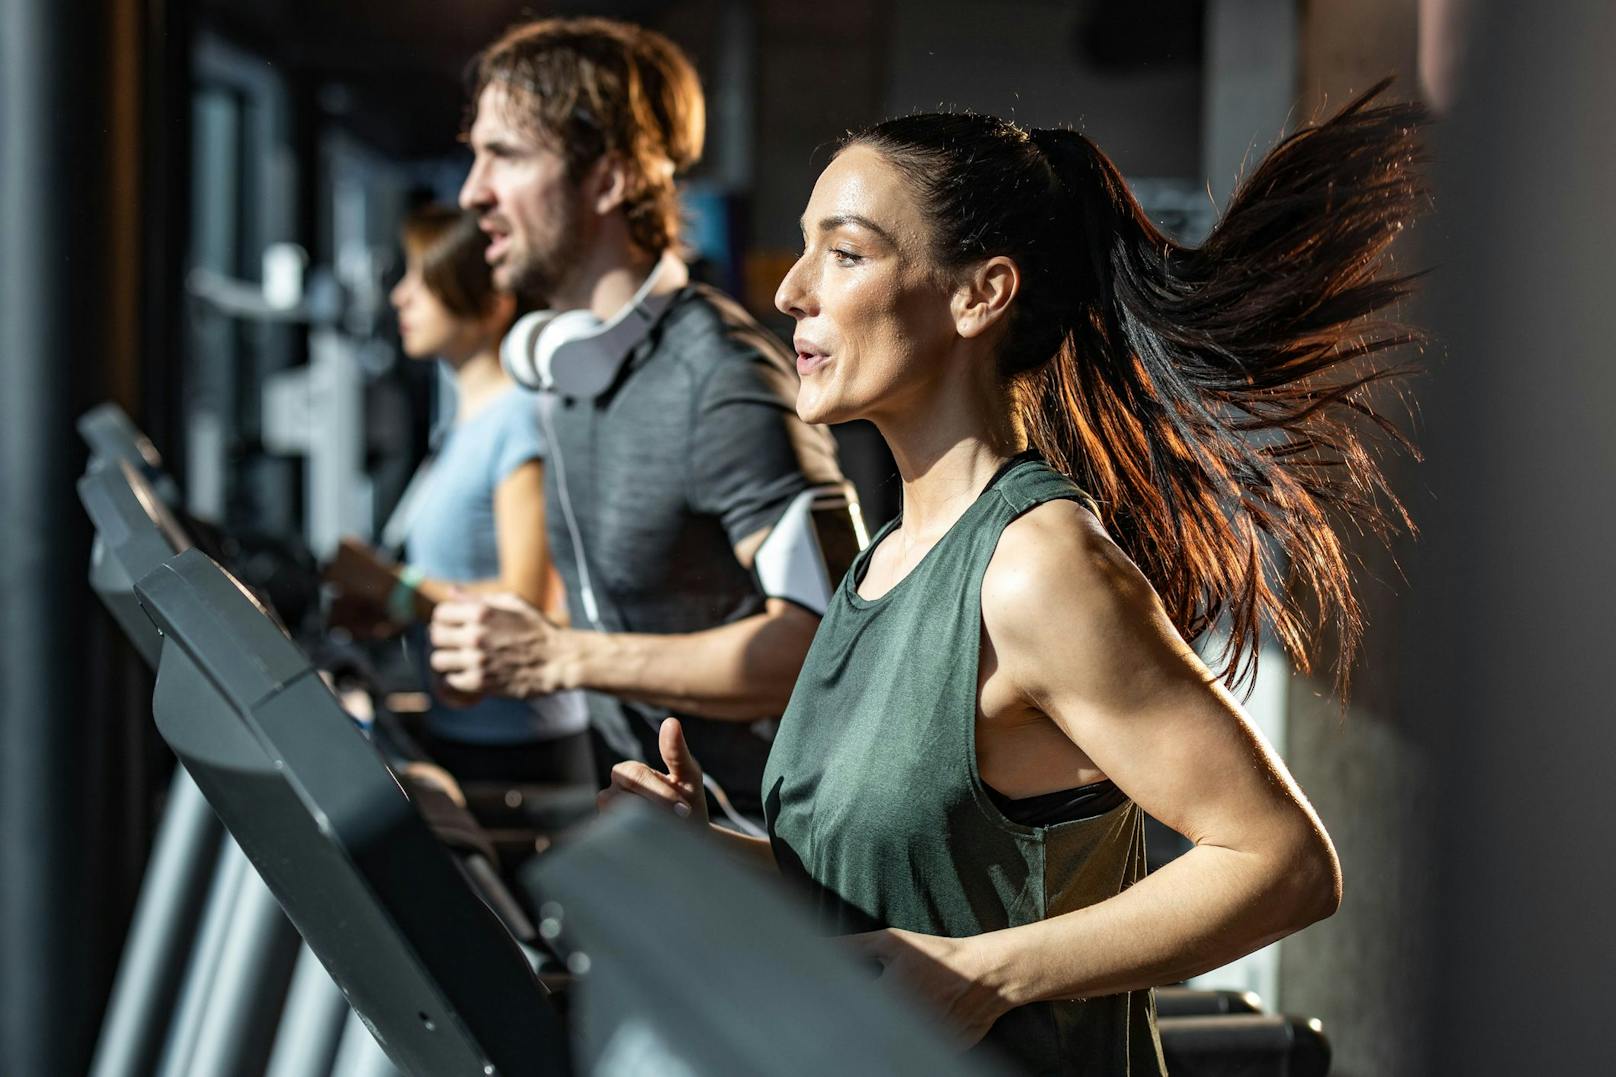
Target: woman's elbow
<point x="1312" y="880"/>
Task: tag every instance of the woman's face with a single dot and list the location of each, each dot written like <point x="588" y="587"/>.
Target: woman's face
<point x="427" y="328"/>
<point x="873" y="314"/>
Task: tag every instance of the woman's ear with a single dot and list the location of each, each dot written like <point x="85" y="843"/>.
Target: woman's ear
<point x="982" y="299"/>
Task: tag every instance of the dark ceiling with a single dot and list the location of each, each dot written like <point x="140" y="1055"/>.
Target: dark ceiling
<point x="393" y="69"/>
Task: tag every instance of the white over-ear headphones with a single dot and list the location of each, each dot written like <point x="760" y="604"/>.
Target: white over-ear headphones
<point x="573" y="352"/>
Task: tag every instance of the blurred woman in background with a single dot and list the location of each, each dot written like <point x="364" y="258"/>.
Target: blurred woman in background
<point x="476" y="524"/>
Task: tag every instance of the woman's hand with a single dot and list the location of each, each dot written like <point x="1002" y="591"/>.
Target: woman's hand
<point x="679" y="790"/>
<point x="952" y="978"/>
<point x="359" y="572"/>
<point x="359" y="617"/>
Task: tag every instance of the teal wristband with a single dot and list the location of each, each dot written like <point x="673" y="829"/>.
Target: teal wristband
<point x="401" y="600"/>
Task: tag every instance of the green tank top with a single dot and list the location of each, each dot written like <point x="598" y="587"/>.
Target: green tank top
<point x="875" y="807"/>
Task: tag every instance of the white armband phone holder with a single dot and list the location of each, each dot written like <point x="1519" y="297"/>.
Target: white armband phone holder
<point x="811" y="547"/>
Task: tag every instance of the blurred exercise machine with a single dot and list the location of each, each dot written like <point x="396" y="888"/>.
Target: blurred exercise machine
<point x="424" y="960"/>
<point x="207" y="949"/>
<point x="641" y="930"/>
<point x="112" y="437"/>
<point x="134" y="534"/>
<point x="208" y="953"/>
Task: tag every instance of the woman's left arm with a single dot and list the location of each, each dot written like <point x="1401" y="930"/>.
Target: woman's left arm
<point x="1082" y="636"/>
<point x="366" y="578"/>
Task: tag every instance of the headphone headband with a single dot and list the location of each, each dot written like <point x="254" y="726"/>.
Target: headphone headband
<point x="574" y="353"/>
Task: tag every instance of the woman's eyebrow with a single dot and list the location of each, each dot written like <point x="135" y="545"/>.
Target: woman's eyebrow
<point x="830" y="224"/>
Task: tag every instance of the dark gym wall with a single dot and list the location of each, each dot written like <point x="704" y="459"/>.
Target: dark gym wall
<point x="82" y="141"/>
<point x="1511" y="633"/>
<point x="1134" y="89"/>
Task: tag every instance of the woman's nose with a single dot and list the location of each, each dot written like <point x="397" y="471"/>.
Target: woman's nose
<point x="792" y="297"/>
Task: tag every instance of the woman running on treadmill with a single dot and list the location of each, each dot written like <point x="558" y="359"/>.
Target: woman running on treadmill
<point x="477" y="523"/>
<point x="1109" y="443"/>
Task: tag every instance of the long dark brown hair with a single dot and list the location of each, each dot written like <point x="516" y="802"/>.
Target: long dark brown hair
<point x="1216" y="400"/>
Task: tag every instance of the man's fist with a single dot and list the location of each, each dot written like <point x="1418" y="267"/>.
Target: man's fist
<point x="497" y="645"/>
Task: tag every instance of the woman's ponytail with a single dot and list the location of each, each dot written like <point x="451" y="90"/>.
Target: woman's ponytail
<point x="1217" y="400"/>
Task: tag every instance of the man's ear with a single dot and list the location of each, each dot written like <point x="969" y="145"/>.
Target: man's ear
<point x="606" y="185"/>
<point x="982" y="299"/>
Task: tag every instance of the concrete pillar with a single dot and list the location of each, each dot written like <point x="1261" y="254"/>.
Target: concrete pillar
<point x="1511" y="642"/>
<point x="58" y="215"/>
<point x="1365" y="769"/>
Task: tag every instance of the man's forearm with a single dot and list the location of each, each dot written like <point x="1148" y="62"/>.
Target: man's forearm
<point x="741" y="671"/>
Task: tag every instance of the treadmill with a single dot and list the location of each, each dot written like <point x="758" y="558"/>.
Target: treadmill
<point x="112" y="436"/>
<point x="135" y="532"/>
<point x="434" y="974"/>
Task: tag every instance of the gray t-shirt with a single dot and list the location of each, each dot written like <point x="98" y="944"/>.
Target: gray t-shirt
<point x="694" y="447"/>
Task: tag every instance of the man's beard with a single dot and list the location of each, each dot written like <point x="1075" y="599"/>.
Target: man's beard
<point x="545" y="267"/>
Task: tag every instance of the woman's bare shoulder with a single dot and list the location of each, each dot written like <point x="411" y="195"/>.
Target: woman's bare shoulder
<point x="1059" y="585"/>
<point x="1057" y="549"/>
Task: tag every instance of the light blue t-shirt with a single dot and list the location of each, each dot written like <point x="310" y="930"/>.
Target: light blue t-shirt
<point x="451" y="536"/>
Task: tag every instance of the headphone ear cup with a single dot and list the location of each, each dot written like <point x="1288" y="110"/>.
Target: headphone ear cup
<point x="518" y="352"/>
<point x="576" y="354"/>
<point x="566" y="359"/>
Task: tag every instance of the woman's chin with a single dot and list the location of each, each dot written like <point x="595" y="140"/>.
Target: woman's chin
<point x="416" y="348"/>
<point x="814" y="407"/>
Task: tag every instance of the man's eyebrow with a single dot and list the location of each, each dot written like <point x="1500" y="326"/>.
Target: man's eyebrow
<point x="499" y="139"/>
<point x="830" y="224"/>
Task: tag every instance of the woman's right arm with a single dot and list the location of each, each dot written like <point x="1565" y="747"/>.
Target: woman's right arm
<point x="679" y="790"/>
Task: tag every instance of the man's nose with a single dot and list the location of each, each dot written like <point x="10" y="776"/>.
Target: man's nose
<point x="474" y="192"/>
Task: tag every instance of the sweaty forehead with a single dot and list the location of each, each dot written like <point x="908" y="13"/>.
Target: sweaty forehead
<point x="860" y="182"/>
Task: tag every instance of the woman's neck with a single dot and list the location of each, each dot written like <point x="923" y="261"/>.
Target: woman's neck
<point x="478" y="380"/>
<point x="947" y="450"/>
